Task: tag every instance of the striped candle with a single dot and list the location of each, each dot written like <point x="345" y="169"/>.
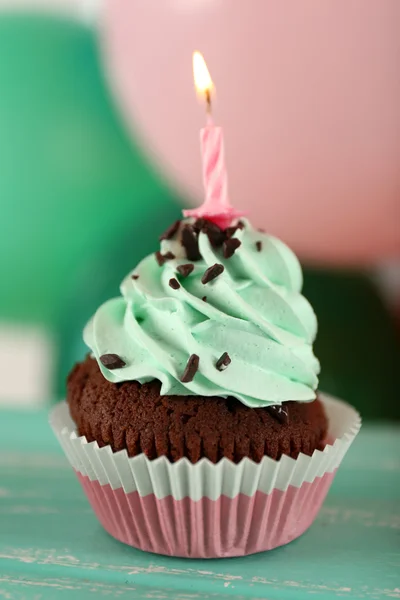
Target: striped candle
<point x="215" y="177"/>
<point x="216" y="206"/>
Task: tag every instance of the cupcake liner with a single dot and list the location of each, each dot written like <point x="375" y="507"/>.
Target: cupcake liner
<point x="206" y="510"/>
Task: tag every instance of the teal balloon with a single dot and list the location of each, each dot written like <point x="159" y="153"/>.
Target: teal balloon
<point x="72" y="182"/>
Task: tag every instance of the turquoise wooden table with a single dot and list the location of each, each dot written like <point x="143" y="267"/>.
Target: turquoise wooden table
<point x="52" y="546"/>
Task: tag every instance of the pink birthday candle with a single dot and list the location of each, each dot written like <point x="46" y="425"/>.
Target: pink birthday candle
<point x="216" y="206"/>
<point x="215" y="177"/>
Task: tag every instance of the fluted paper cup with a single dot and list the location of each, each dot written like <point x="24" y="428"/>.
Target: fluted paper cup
<point x="206" y="510"/>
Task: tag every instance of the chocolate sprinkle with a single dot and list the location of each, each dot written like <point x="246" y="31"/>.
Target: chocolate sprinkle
<point x="112" y="361"/>
<point x="212" y="272"/>
<point x="135" y="276"/>
<point x="259" y="246"/>
<point x="230" y="246"/>
<point x="230" y="231"/>
<point x="185" y="270"/>
<point x="280" y="413"/>
<point x="240" y="225"/>
<point x="204" y="298"/>
<point x="174" y="283"/>
<point x="190" y="369"/>
<point x="161" y="258"/>
<point x="215" y="234"/>
<point x="198" y="225"/>
<point x="170" y="232"/>
<point x="190" y="243"/>
<point x="223" y="362"/>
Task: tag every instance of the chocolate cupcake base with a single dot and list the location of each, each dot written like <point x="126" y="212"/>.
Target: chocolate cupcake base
<point x="137" y="418"/>
<point x="206" y="510"/>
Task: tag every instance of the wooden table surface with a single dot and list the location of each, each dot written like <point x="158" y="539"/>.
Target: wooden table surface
<point x="52" y="546"/>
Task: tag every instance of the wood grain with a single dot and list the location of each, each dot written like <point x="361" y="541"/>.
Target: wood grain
<point x="51" y="544"/>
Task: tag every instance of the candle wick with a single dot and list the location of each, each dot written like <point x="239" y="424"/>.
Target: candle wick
<point x="208" y="101"/>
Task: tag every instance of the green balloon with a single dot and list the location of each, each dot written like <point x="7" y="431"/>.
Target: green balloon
<point x="72" y="181"/>
<point x="357" y="343"/>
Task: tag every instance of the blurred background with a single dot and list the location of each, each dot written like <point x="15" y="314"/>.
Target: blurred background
<point x="99" y="153"/>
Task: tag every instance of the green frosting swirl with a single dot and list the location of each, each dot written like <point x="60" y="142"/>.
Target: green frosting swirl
<point x="254" y="311"/>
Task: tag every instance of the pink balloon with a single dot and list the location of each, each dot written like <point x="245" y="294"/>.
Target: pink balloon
<point x="309" y="98"/>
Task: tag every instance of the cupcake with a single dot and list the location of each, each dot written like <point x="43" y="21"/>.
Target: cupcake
<point x="194" y="424"/>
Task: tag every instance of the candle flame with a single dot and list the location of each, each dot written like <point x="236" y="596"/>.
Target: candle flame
<point x="202" y="78"/>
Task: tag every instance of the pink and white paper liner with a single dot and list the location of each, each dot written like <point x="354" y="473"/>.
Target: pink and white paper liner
<point x="206" y="510"/>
